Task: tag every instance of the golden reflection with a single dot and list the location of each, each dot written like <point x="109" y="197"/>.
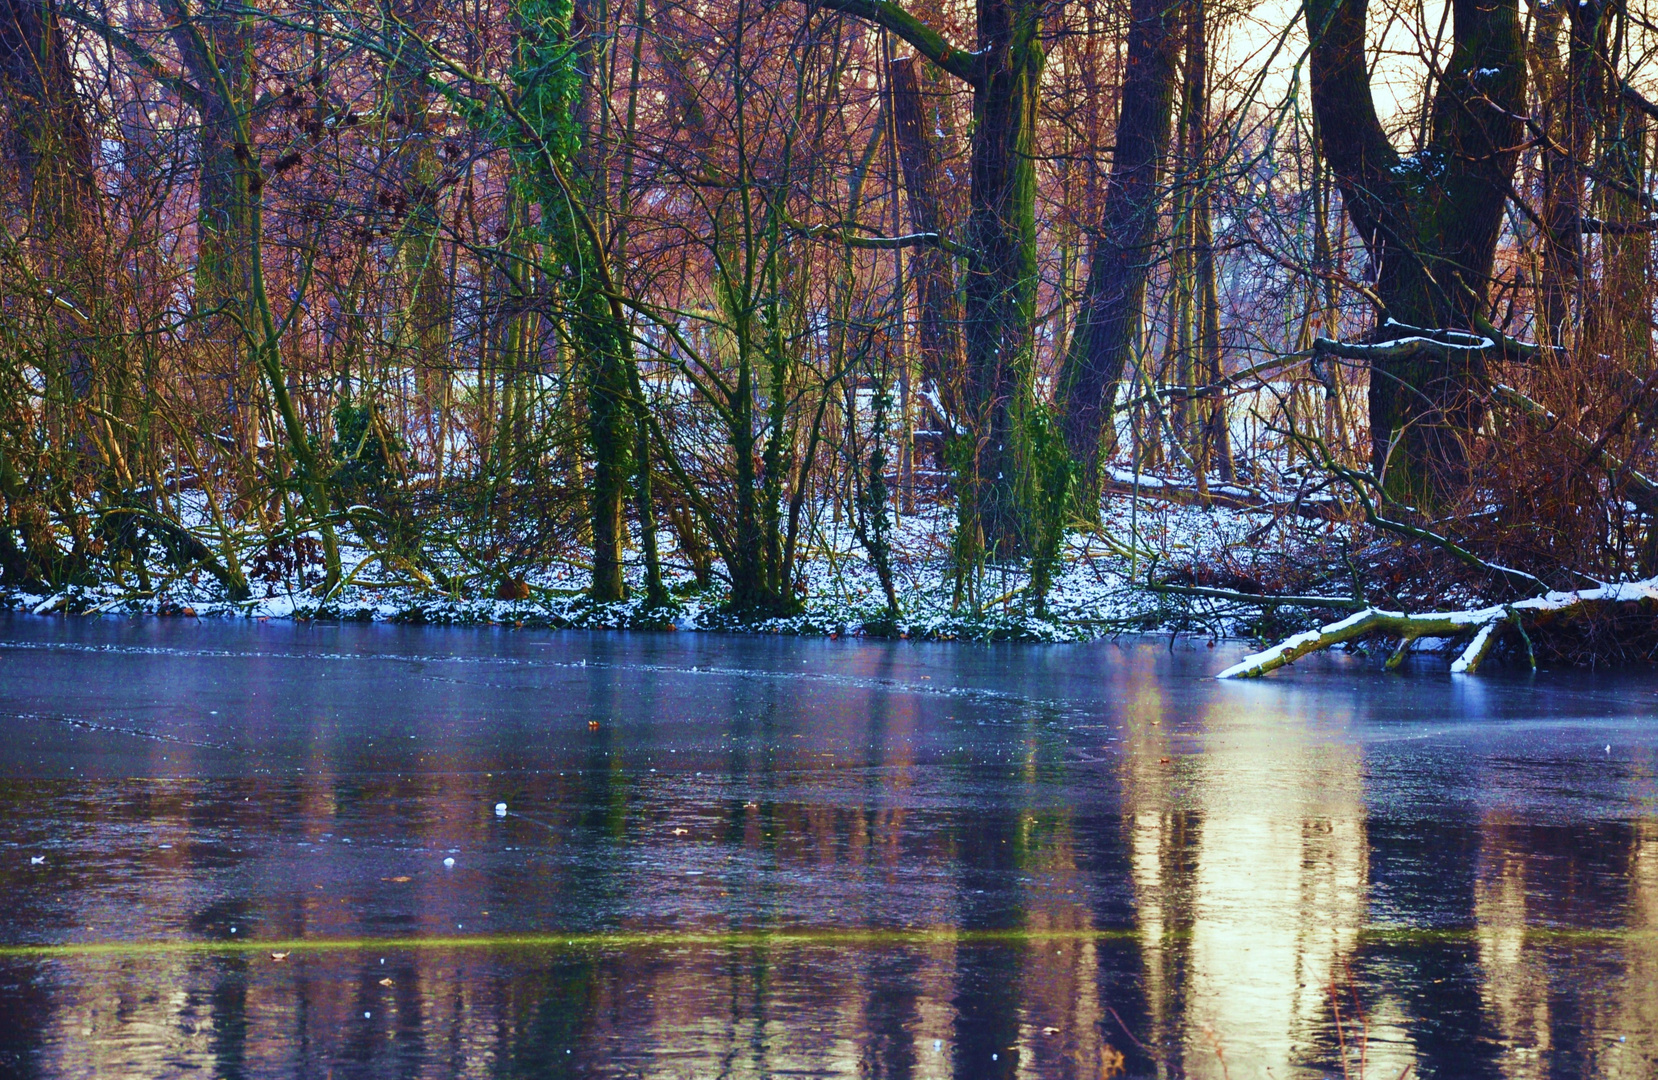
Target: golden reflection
<point x="1634" y="1013"/>
<point x="1514" y="988"/>
<point x="1599" y="1004"/>
<point x="1250" y="867"/>
<point x="843" y="905"/>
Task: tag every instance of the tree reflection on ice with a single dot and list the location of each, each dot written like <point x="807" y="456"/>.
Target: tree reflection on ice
<point x="1037" y="861"/>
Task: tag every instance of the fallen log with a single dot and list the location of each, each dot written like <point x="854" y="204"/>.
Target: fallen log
<point x="1258" y="599"/>
<point x="1315" y="506"/>
<point x="1482" y="626"/>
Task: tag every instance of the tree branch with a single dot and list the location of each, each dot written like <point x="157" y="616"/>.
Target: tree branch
<point x="1618" y="228"/>
<point x="844" y="234"/>
<point x="964" y="65"/>
<point x="1642" y="490"/>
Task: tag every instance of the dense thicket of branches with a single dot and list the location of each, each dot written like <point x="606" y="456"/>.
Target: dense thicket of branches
<point x="462" y="287"/>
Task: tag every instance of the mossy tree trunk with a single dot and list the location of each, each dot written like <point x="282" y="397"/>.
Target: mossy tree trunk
<point x="998" y="477"/>
<point x="563" y="90"/>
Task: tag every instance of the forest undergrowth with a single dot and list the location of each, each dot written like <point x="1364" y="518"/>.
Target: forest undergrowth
<point x="840" y="317"/>
<point x="1248" y="563"/>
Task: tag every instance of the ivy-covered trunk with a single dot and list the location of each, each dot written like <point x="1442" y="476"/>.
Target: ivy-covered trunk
<point x="1000" y="286"/>
<point x="560" y="87"/>
<point x="601" y="352"/>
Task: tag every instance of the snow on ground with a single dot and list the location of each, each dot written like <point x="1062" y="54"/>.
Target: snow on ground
<point x="1096" y="592"/>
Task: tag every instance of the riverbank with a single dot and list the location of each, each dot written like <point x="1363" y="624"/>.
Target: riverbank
<point x="1109" y="583"/>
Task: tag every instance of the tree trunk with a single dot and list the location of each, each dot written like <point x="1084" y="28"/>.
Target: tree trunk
<point x="1429" y="221"/>
<point x="1001" y="273"/>
<point x="1214" y="449"/>
<point x="1108" y="324"/>
<point x="656" y="592"/>
<point x="216" y="49"/>
<point x="998" y="480"/>
<point x="48" y="143"/>
<point x="604" y="346"/>
<point x="1560" y="208"/>
<point x="420" y="177"/>
<point x="46" y="138"/>
<point x="938" y="333"/>
<point x="573" y="212"/>
<point x="1626" y="252"/>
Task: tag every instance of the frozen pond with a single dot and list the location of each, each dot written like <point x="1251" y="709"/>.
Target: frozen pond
<point x="745" y="857"/>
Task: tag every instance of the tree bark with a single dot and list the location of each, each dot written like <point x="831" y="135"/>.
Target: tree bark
<point x="938" y="332"/>
<point x="47" y="141"/>
<point x="604" y="344"/>
<point x="1429" y="222"/>
<point x="1108" y="324"/>
<point x="1000" y="290"/>
<point x="215" y="46"/>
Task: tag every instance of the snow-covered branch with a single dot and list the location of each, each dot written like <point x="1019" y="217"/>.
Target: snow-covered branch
<point x="1482" y="626"/>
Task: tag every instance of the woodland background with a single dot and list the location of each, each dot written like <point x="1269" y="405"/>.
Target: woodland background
<point x="685" y="297"/>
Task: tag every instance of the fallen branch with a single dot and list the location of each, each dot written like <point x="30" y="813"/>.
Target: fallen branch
<point x="191" y="550"/>
<point x="1442" y="345"/>
<point x="1482" y="626"/>
<point x="1198" y="393"/>
<point x="1259" y="599"/>
<point x="845" y="234"/>
<point x="1231" y="496"/>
